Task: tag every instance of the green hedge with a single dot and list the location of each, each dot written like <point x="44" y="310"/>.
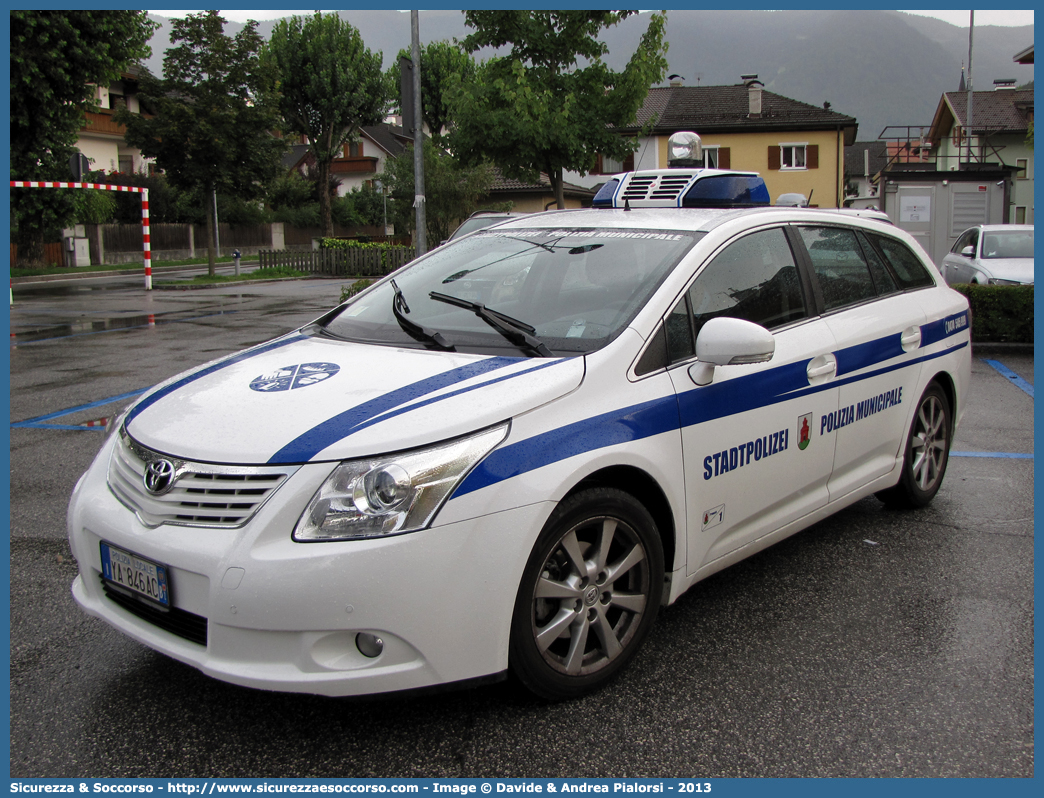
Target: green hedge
<point x="391" y="255"/>
<point x="1000" y="313"/>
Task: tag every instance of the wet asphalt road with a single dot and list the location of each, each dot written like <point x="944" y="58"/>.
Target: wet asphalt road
<point x="876" y="643"/>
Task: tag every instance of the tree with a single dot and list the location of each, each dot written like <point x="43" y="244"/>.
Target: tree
<point x="330" y="87"/>
<point x="537" y="109"/>
<point x="57" y="57"/>
<point x="452" y="190"/>
<point x="214" y="114"/>
<point x="439" y="60"/>
<point x="360" y="206"/>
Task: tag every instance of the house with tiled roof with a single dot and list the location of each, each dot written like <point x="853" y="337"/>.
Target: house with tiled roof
<point x="863" y="160"/>
<point x="529" y="197"/>
<point x="360" y="161"/>
<point x="797" y="147"/>
<point x="100" y="138"/>
<point x="996" y="136"/>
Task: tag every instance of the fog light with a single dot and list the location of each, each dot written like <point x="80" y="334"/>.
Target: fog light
<point x="369" y="645"/>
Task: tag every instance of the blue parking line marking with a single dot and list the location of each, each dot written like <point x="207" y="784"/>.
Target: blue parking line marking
<point x="37" y="423"/>
<point x="1007" y="455"/>
<point x="1016" y="380"/>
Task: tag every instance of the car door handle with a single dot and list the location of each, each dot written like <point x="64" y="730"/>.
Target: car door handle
<point x="820" y="369"/>
<point x="910" y="339"/>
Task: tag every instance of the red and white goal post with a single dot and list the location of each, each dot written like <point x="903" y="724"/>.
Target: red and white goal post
<point x="147" y="253"/>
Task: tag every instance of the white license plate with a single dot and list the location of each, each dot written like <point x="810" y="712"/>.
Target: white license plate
<point x="142" y="577"/>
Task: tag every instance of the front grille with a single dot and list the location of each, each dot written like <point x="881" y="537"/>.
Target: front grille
<point x="657" y="186"/>
<point x="203" y="494"/>
<point x="186" y="625"/>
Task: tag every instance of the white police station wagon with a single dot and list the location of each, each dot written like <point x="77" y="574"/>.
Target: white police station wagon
<point x="510" y="453"/>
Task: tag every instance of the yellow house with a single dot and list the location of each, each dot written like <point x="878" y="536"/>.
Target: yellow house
<point x="796" y="147"/>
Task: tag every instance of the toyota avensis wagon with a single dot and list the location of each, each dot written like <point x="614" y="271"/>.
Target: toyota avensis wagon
<point x="511" y="452"/>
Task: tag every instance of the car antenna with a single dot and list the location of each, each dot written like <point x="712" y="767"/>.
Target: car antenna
<point x="808" y="202"/>
<point x="627" y="204"/>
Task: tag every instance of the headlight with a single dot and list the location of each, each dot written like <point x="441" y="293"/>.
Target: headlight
<point x="995" y="281"/>
<point x="393" y="494"/>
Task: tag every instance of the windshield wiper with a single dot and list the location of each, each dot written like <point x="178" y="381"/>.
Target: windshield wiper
<point x="518" y="332"/>
<point x="415" y="329"/>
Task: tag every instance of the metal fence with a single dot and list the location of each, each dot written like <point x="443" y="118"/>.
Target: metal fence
<point x="353" y="262"/>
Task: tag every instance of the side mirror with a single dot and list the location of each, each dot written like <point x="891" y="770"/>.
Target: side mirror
<point x="725" y="341"/>
<point x="968" y="252"/>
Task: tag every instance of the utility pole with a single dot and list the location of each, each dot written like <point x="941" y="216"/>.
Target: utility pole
<point x="420" y="238"/>
<point x="971" y="97"/>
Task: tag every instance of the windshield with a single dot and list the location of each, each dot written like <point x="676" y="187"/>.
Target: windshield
<point x="518" y="292"/>
<point x="1008" y="244"/>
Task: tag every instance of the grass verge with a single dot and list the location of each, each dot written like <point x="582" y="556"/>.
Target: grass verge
<point x="216" y="279"/>
<point x="114" y="267"/>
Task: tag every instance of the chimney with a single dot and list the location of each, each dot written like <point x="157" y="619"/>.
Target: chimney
<point x="1004" y="84"/>
<point x="753" y="93"/>
<point x="676" y="80"/>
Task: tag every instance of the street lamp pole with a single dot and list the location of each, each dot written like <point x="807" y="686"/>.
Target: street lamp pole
<point x="380" y="187"/>
<point x="420" y="238"/>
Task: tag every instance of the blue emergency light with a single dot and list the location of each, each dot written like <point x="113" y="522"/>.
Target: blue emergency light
<point x="684" y="188"/>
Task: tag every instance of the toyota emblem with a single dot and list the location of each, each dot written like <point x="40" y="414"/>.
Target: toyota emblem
<point x="159" y="477"/>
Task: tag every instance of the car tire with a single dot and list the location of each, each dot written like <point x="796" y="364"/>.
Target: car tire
<point x="589" y="594"/>
<point x="926" y="453"/>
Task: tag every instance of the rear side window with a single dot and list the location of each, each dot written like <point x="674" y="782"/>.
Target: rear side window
<point x="883" y="278"/>
<point x="837" y="259"/>
<point x="907" y="267"/>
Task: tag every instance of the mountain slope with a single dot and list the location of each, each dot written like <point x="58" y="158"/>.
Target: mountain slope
<point x="882" y="67"/>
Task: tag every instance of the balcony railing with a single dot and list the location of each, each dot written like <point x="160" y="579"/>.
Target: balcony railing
<point x="95" y="122"/>
<point x="909" y="149"/>
<point x="359" y="165"/>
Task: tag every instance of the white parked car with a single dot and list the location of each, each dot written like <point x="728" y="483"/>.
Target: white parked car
<point x="511" y="452"/>
<point x="991" y="254"/>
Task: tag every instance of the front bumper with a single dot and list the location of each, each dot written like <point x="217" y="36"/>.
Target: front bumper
<point x="281" y="615"/>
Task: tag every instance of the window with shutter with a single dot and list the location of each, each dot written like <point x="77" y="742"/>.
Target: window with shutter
<point x="793" y="156"/>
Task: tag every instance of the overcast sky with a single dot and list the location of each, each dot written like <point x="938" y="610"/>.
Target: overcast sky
<point x="959" y="18"/>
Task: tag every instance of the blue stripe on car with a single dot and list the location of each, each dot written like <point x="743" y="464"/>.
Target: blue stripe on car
<point x="305" y="446"/>
<point x="935" y="331"/>
<point x="718" y="400"/>
<point x="154" y="397"/>
<point x="609" y="429"/>
<point x="442" y="397"/>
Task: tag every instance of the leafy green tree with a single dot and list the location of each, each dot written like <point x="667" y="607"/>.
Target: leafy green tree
<point x="95" y="206"/>
<point x="292" y="191"/>
<point x="360" y="206"/>
<point x="236" y="211"/>
<point x="166" y="203"/>
<point x="452" y="190"/>
<point x="330" y="87"/>
<point x="551" y="104"/>
<point x="439" y="60"/>
<point x="214" y="113"/>
<point x="56" y="57"/>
